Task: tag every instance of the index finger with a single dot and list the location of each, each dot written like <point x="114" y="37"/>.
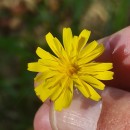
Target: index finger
<point x="118" y="52"/>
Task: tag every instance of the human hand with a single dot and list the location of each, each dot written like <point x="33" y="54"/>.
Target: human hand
<point x="113" y="112"/>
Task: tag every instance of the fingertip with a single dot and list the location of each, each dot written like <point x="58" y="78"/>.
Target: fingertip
<point x="118" y="52"/>
<point x="81" y="115"/>
<point x="41" y="120"/>
<point x="120" y="46"/>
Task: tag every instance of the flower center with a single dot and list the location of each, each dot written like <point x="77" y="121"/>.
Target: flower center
<point x="72" y="69"/>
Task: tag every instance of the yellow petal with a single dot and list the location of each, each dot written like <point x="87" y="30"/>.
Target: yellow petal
<point x="68" y="94"/>
<point x="44" y="54"/>
<point x="52" y="82"/>
<point x="55" y="45"/>
<point x="56" y="93"/>
<point x="41" y="77"/>
<point x="87" y="89"/>
<point x="94" y="67"/>
<point x="93" y="82"/>
<point x="48" y="87"/>
<point x="62" y="54"/>
<point x="94" y="95"/>
<point x="67" y="39"/>
<point x="83" y="90"/>
<point x="92" y="55"/>
<point x="48" y="63"/>
<point x="83" y="38"/>
<point x="65" y="98"/>
<point x="61" y="85"/>
<point x="74" y="50"/>
<point x="42" y="92"/>
<point x="106" y="75"/>
<point x="36" y="67"/>
<point x="89" y="48"/>
<point x="58" y="103"/>
<point x="63" y="101"/>
<point x="81" y="87"/>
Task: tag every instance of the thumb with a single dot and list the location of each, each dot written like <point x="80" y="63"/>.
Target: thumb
<point x="112" y="113"/>
<point x="83" y="114"/>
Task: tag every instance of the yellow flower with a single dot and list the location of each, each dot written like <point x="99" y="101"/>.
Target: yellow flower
<point x="73" y="66"/>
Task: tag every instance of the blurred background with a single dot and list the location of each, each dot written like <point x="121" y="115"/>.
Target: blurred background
<point x="23" y="25"/>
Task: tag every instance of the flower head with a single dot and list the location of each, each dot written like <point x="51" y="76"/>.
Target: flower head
<point x="72" y="66"/>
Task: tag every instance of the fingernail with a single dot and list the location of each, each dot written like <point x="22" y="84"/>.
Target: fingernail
<point x="82" y="114"/>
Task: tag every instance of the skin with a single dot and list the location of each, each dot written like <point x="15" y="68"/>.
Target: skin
<point x="113" y="112"/>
